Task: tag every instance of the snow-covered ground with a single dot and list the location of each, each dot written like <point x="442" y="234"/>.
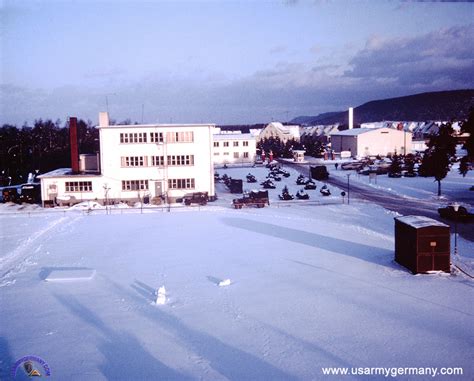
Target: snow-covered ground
<point x="312" y="285"/>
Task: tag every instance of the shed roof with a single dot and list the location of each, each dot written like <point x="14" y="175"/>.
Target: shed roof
<point x="354" y="131"/>
<point x="420" y="221"/>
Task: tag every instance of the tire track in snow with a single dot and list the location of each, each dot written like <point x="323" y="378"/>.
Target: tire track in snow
<point x="14" y="261"/>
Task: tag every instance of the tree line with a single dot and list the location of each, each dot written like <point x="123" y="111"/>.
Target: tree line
<point x="41" y="148"/>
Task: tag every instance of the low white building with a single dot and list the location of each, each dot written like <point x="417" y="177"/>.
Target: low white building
<point x="234" y="148"/>
<point x="150" y="161"/>
<point x="363" y="142"/>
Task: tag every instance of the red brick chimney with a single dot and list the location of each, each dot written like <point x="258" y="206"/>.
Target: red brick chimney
<point x="74" y="148"/>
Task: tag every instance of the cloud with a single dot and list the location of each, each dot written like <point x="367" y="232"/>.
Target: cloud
<point x="278" y="49"/>
<point x="441" y="57"/>
<point x="384" y="68"/>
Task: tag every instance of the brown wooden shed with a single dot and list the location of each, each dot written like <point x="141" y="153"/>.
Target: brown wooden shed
<point x="422" y="244"/>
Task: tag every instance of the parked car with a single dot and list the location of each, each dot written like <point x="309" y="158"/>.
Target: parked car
<point x="395" y="175"/>
<point x="325" y="190"/>
<point x="302" y="195"/>
<point x="464" y="214"/>
<point x="310" y="185"/>
<point x="302" y="180"/>
<point x="200" y="198"/>
<point x="251" y="178"/>
<point x="268" y="184"/>
<point x="285" y="195"/>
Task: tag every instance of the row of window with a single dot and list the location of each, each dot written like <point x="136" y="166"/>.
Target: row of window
<point x="245" y="143"/>
<point x="78" y="186"/>
<point x="236" y="154"/>
<point x="130" y="185"/>
<point x="156" y="161"/>
<point x="157" y="137"/>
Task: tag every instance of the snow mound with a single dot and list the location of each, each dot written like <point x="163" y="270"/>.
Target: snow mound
<point x="69" y="275"/>
<point x="161" y="296"/>
<point x="86" y="205"/>
<point x="225" y="282"/>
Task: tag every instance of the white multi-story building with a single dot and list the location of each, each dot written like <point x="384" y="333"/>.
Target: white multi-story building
<point x="149" y="161"/>
<point x="234" y="148"/>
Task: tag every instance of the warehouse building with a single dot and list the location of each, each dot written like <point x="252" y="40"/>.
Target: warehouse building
<point x="362" y="142"/>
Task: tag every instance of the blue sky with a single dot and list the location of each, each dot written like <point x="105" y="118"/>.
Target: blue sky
<point x="225" y="61"/>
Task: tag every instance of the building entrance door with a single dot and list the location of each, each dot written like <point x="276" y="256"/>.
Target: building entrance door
<point x="158" y="189"/>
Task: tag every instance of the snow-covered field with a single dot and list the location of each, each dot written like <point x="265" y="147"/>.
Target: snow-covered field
<point x="312" y="285"/>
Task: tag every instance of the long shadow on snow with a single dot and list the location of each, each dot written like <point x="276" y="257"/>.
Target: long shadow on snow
<point x="367" y="253"/>
<point x="6" y="359"/>
<point x="125" y="357"/>
<point x="46" y="271"/>
<point x="231" y="362"/>
<point x="423" y="316"/>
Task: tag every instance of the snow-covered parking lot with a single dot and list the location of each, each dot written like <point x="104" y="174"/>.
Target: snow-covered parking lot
<point x="311" y="286"/>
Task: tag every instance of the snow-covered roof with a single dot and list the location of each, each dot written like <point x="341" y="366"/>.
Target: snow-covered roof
<point x="165" y="125"/>
<point x="420" y="221"/>
<point x="233" y="137"/>
<point x="354" y="131"/>
<point x="62" y="172"/>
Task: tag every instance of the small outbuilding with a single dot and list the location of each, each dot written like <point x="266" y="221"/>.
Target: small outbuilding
<point x="422" y="244"/>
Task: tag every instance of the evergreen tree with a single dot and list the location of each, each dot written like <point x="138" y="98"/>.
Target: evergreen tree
<point x="410" y="163"/>
<point x="437" y="159"/>
<point x="468" y="127"/>
<point x="395" y="166"/>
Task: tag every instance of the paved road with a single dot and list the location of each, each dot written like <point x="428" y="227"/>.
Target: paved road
<point x="392" y="202"/>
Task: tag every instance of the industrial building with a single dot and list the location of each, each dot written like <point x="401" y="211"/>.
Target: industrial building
<point x="362" y="142"/>
<point x="152" y="162"/>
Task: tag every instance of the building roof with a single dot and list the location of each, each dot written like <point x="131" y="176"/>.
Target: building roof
<point x="420" y="221"/>
<point x="157" y="125"/>
<point x="66" y="172"/>
<point x="233" y="137"/>
<point x="354" y="131"/>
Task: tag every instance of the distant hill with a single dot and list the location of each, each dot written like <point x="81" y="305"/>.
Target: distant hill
<point x="439" y="106"/>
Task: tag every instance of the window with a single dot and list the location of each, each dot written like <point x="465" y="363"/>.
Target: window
<point x="216" y="153"/>
<point x="236" y="155"/>
<point x="245" y="143"/>
<point x="181" y="183"/>
<point x="131" y="185"/>
<point x="157" y="161"/>
<point x="226" y="154"/>
<point x="133" y="137"/>
<point x="180" y="137"/>
<point x="216" y="144"/>
<point x="236" y="144"/>
<point x="226" y="144"/>
<point x="156" y="137"/>
<point x="133" y="161"/>
<point x="246" y="155"/>
<point x="180" y="160"/>
<point x="78" y="186"/>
